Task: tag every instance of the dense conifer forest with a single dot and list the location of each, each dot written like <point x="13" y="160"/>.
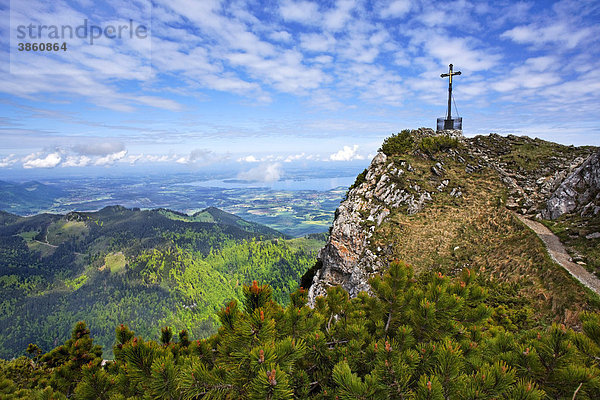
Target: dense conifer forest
<point x="425" y="337"/>
<point x="144" y="268"/>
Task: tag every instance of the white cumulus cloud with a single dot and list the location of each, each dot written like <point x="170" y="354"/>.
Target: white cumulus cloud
<point x="8" y="161"/>
<point x="163" y="158"/>
<point x="134" y="158"/>
<point x="37" y="160"/>
<point x="300" y="11"/>
<point x="249" y="158"/>
<point x="347" y="154"/>
<point x="201" y="157"/>
<point x="558" y="33"/>
<point x="111" y="158"/>
<point x="263" y="173"/>
<point x="76" y="161"/>
<point x="294" y="157"/>
<point x="395" y="9"/>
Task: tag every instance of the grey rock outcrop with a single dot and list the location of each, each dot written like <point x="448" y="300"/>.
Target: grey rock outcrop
<point x="528" y="190"/>
<point x="343" y="257"/>
<point x="578" y="193"/>
<point x="348" y="259"/>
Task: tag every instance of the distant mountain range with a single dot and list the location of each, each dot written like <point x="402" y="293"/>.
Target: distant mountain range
<point x="216" y="216"/>
<point x="22" y="197"/>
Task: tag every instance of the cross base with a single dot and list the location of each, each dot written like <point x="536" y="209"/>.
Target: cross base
<point x="449" y="124"/>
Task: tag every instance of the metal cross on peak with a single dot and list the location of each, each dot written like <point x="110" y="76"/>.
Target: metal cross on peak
<point x="450" y="74"/>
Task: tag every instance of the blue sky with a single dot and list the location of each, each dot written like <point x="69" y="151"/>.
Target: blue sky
<point x="260" y="84"/>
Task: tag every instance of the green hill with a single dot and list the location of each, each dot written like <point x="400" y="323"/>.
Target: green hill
<point x="217" y="216"/>
<point x="143" y="268"/>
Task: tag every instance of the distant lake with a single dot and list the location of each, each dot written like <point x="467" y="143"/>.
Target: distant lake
<point x="319" y="184"/>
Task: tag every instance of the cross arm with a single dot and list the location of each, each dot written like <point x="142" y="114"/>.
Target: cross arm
<point x="454" y="73"/>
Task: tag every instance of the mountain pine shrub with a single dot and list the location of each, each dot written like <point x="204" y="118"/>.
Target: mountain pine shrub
<point x="416" y="337"/>
<point x="398" y="143"/>
<point x="434" y="144"/>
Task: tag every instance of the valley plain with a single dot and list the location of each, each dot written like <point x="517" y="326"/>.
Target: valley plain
<point x="295" y="207"/>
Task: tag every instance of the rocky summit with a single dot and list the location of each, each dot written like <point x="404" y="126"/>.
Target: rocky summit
<point x="533" y="170"/>
<point x="445" y="202"/>
<point x="578" y="193"/>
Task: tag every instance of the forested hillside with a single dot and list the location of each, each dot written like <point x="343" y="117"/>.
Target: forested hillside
<point x="428" y="337"/>
<point x="144" y="268"/>
<point x="23" y="197"/>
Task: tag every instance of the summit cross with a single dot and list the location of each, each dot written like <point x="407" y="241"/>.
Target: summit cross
<point x="449" y="75"/>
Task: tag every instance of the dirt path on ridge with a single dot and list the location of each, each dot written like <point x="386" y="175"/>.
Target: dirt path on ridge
<point x="559" y="254"/>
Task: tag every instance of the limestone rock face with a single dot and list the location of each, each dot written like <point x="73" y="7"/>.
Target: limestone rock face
<point x="578" y="193"/>
<point x="342" y="255"/>
<point x="347" y="259"/>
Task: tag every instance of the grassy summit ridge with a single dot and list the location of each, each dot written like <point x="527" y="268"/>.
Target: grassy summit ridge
<point x="456" y="217"/>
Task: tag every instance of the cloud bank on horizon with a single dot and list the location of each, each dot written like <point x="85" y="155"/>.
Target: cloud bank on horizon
<point x="272" y="82"/>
